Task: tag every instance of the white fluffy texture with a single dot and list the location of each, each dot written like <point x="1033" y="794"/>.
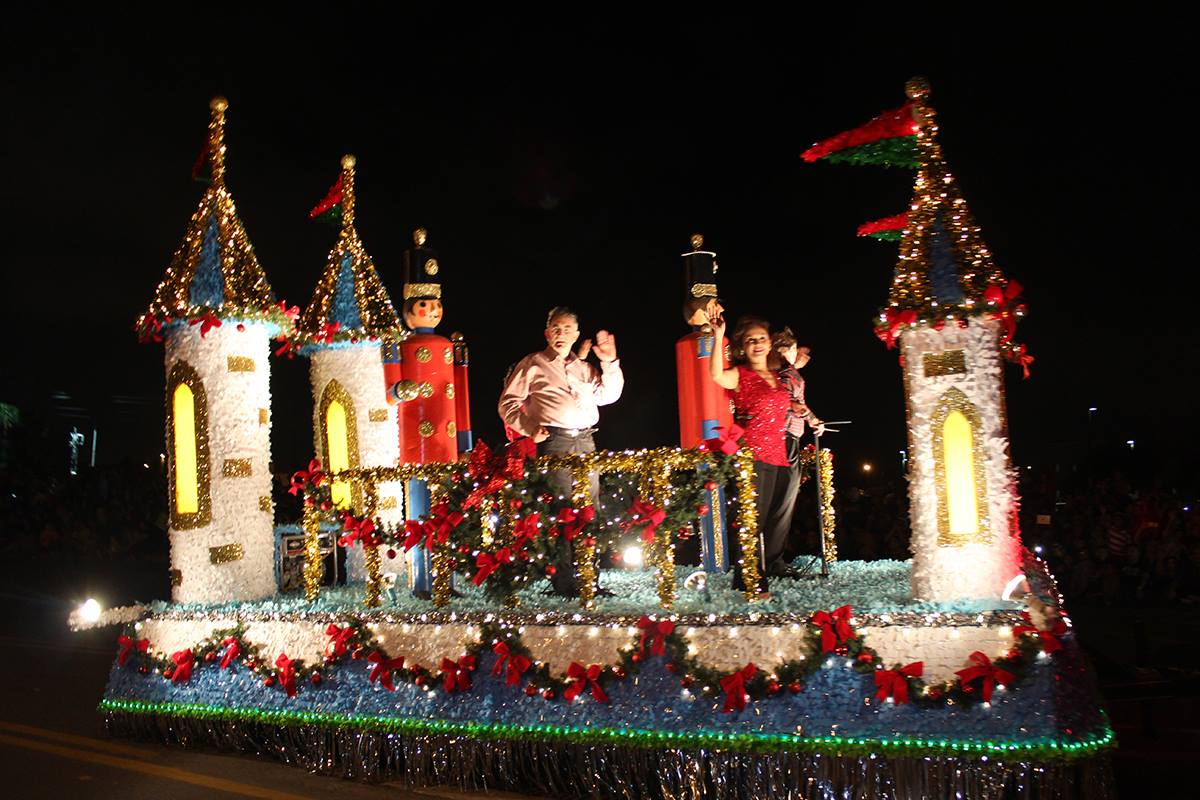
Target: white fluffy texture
<point x="359" y="370"/>
<point x="943" y="650"/>
<point x="234" y="432"/>
<point x="977" y="570"/>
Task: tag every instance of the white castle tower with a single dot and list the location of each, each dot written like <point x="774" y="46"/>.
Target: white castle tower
<point x="341" y="330"/>
<point x="954" y="312"/>
<point x="217" y="314"/>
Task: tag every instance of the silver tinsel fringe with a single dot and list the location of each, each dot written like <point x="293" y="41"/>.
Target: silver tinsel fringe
<point x="563" y="769"/>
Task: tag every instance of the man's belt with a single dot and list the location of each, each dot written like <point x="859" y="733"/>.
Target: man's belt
<point x="573" y="432"/>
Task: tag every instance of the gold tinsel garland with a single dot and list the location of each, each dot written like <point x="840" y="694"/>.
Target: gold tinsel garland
<point x="439" y="559"/>
<point x="314" y="567"/>
<point x="374" y="588"/>
<point x="825" y="498"/>
<point x="651" y="465"/>
<point x="748" y="535"/>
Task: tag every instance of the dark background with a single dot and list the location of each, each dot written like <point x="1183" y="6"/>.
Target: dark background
<point x="557" y="161"/>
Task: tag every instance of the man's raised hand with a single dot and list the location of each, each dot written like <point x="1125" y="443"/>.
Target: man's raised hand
<point x="606" y="346"/>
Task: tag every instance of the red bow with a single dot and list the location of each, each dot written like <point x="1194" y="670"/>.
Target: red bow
<point x="517" y="664"/>
<point x="526" y="528"/>
<point x="312" y="475"/>
<point x="234" y="650"/>
<point x="835" y="627"/>
<point x="995" y="296"/>
<point x="338" y="639"/>
<point x="658" y="631"/>
<point x="1019" y="355"/>
<point x="361" y="531"/>
<point x="571" y="522"/>
<point x="434" y="530"/>
<point x="128" y="645"/>
<point x="285" y="348"/>
<point x="292" y="312"/>
<point x="893" y="683"/>
<point x="986" y="671"/>
<point x="458" y="676"/>
<point x="894" y="321"/>
<point x="206" y="323"/>
<point x="328" y="331"/>
<point x="583" y="679"/>
<point x="734" y="686"/>
<point x="726" y="443"/>
<point x="382" y="671"/>
<point x="287" y="674"/>
<point x="492" y="471"/>
<point x="649" y="515"/>
<point x="416" y="531"/>
<point x="151" y="330"/>
<point x="488" y="564"/>
<point x="1049" y="637"/>
<point x="183" y="666"/>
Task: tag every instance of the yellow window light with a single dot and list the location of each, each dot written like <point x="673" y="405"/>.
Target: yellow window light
<point x="960" y="475"/>
<point x="187" y="490"/>
<point x="339" y="451"/>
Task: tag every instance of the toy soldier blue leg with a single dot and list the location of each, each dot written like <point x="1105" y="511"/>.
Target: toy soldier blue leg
<point x="466" y="441"/>
<point x="708" y="429"/>
<point x="421" y="578"/>
<point x="714" y="541"/>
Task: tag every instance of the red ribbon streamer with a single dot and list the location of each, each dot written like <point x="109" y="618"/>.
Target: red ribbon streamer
<point x="895" y="320"/>
<point x="986" y="672"/>
<point x="291" y="312"/>
<point x="896" y="223"/>
<point x="233" y="651"/>
<point x="571" y="522"/>
<point x="893" y="124"/>
<point x="339" y="640"/>
<point x="458" y="676"/>
<point x="584" y="679"/>
<point x="517" y="664"/>
<point x="726" y="441"/>
<point x="893" y="683"/>
<point x="287" y="674"/>
<point x="332" y="198"/>
<point x="658" y="632"/>
<point x="835" y="627"/>
<point x="488" y="564"/>
<point x="649" y="515"/>
<point x="183" y="666"/>
<point x="382" y="671"/>
<point x="128" y="645"/>
<point x="151" y="330"/>
<point x="734" y="686"/>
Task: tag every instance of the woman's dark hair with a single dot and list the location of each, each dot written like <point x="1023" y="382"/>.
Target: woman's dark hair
<point x="781" y="340"/>
<point x="737" y="353"/>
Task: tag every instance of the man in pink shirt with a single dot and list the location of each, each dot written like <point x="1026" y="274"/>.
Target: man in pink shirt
<point x="553" y="397"/>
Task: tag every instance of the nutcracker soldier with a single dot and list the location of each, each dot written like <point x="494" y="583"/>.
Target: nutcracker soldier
<point x="432" y="425"/>
<point x="704" y="407"/>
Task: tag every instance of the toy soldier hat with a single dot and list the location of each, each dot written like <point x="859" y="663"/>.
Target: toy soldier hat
<point x="700" y="270"/>
<point x="422" y="272"/>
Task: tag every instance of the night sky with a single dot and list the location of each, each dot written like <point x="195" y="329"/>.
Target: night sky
<point x="570" y="163"/>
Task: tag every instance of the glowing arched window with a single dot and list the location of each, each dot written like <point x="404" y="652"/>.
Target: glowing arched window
<point x="339" y="441"/>
<point x="187" y="487"/>
<point x="960" y="475"/>
<point x="339" y="451"/>
<point x="961" y="482"/>
<point x="187" y="443"/>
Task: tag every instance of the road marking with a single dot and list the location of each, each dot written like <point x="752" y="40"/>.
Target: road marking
<point x="170" y="773"/>
<point x="81" y="741"/>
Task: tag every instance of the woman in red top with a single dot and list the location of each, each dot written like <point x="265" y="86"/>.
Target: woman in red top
<point x="761" y="402"/>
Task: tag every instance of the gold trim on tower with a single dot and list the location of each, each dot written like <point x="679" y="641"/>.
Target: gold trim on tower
<point x="240" y="364"/>
<point x="237" y="468"/>
<point x="377" y="415"/>
<point x="226" y="553"/>
<point x="954" y="400"/>
<point x="334" y="392"/>
<point x="183" y="372"/>
<point x="947" y="362"/>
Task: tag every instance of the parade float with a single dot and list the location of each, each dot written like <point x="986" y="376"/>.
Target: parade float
<point x="443" y="660"/>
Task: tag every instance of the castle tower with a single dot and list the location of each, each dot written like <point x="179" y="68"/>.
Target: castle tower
<point x="953" y="312"/>
<point x="341" y="330"/>
<point x="217" y="314"/>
